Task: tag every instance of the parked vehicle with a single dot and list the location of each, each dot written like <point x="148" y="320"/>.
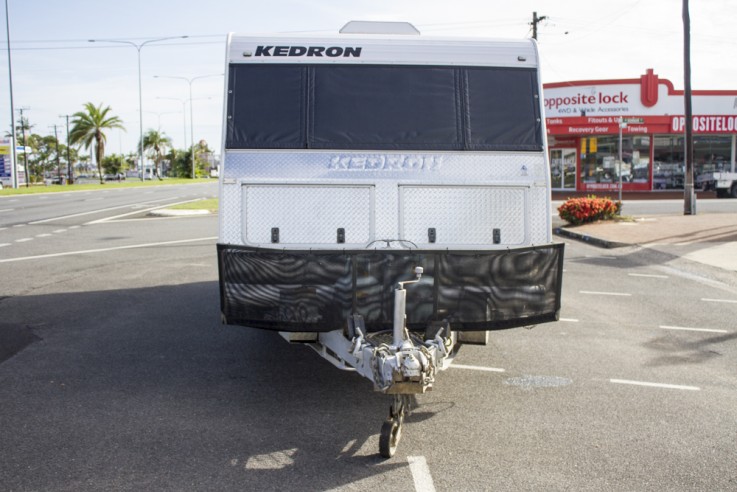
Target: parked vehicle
<point x="724" y="183"/>
<point x="384" y="197"/>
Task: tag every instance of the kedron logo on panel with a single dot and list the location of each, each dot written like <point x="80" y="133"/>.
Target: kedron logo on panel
<point x="332" y="51"/>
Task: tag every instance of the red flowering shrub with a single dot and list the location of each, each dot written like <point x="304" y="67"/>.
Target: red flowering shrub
<point x="589" y="209"/>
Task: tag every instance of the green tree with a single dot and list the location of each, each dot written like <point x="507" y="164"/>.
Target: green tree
<point x="156" y="143"/>
<point x="22" y="128"/>
<point x="114" y="164"/>
<point x="88" y="129"/>
<point x="180" y="163"/>
<point x="42" y="159"/>
<point x="203" y="159"/>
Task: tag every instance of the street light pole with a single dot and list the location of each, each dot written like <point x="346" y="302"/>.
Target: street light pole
<point x="13" y="153"/>
<point x="138" y="47"/>
<point x="191" y="110"/>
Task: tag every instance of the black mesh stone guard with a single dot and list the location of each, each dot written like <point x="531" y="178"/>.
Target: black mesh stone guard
<point x="316" y="291"/>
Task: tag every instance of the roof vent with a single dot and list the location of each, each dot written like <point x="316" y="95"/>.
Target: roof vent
<point x="377" y="27"/>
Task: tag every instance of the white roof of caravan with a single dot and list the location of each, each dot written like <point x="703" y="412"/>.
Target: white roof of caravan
<point x="382" y="49"/>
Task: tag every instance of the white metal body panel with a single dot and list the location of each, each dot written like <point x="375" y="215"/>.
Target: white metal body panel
<point x="386" y="50"/>
<point x="464" y="195"/>
<point x="307" y="214"/>
<point x="309" y="194"/>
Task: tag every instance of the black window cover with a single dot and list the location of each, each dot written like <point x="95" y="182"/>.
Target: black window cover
<point x="266" y="107"/>
<point x="383" y="107"/>
<point x="386" y="107"/>
<point x="504" y="112"/>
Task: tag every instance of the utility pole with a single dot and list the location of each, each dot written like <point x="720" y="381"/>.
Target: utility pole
<point x="70" y="168"/>
<point x="58" y="162"/>
<point x="25" y="154"/>
<point x="535" y="21"/>
<point x="689" y="197"/>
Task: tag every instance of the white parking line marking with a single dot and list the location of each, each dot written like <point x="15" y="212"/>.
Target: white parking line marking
<point x="4" y="244"/>
<point x="19" y="225"/>
<point x="682" y="328"/>
<point x="655" y="385"/>
<point x="24" y="240"/>
<point x="7" y="210"/>
<point x="647" y="275"/>
<point x="421" y="474"/>
<point x="105" y="250"/>
<point x="59" y="231"/>
<point x="594" y="293"/>
<point x="568" y="320"/>
<point x="477" y="368"/>
<point x="43" y="235"/>
<point x="730" y="301"/>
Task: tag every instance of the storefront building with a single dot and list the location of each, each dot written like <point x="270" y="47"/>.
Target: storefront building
<point x="591" y="123"/>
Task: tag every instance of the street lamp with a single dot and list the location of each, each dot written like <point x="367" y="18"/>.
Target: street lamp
<point x="138" y="47"/>
<point x="14" y="144"/>
<point x="191" y="112"/>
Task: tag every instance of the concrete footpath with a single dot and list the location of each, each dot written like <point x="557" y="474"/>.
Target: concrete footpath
<point x="708" y="238"/>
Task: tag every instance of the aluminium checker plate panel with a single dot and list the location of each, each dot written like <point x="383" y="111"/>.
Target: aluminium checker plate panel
<point x="387" y="195"/>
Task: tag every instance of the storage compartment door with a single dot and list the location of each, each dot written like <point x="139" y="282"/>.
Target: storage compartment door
<point x="464" y="215"/>
<point x="307" y="215"/>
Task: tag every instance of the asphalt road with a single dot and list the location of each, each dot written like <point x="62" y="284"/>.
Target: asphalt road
<point x="116" y="375"/>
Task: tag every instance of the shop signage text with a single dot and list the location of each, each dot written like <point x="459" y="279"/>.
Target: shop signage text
<point x="580" y="98"/>
<point x="608" y="125"/>
<point x="706" y="124"/>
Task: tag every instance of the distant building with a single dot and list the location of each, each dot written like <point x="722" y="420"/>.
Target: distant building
<point x="583" y="124"/>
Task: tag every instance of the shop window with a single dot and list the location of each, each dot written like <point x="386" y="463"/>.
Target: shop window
<point x="668" y="162"/>
<point x="600" y="160"/>
<point x="712" y="153"/>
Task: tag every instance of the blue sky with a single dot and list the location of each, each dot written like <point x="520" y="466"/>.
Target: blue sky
<point x="56" y="70"/>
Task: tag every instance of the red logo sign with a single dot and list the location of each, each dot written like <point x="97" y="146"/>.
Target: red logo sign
<point x="649" y="88"/>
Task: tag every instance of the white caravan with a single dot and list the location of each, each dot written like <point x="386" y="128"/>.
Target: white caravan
<point x="384" y="197"/>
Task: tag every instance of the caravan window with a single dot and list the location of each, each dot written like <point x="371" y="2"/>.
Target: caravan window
<point x="504" y="110"/>
<point x="367" y="107"/>
<point x="380" y="107"/>
<point x="266" y="108"/>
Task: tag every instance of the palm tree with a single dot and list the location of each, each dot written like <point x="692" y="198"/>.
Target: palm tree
<point x="156" y="142"/>
<point x="22" y="128"/>
<point x="88" y="129"/>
